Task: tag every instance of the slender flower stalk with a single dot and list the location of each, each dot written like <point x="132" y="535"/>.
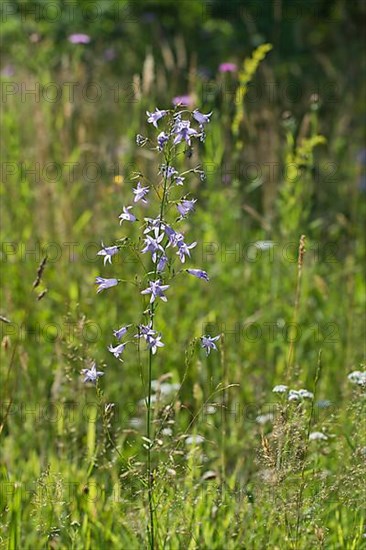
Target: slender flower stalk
<point x="164" y="244"/>
<point x="151" y="355"/>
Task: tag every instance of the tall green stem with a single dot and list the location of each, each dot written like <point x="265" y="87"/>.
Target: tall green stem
<point x="149" y="443"/>
<point x="148" y="417"/>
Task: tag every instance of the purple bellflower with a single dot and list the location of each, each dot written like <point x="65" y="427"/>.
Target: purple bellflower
<point x="119" y="333"/>
<point x="156" y="290"/>
<point x="105" y="283"/>
<point x="117" y="350"/>
<point x="140" y="192"/>
<point x="168" y="171"/>
<point x="162" y="140"/>
<point x="199" y="273"/>
<point x="107" y="252"/>
<point x="153" y="245"/>
<point x="208" y="343"/>
<point x="155" y="225"/>
<point x="92" y="374"/>
<point x="153" y="118"/>
<point x="184" y="249"/>
<point x="153" y="339"/>
<point x="145" y="331"/>
<point x="201" y="118"/>
<point x="171" y="234"/>
<point x="154" y="342"/>
<point x="183" y="131"/>
<point x="163" y="260"/>
<point x="186" y="206"/>
<point x="126" y="215"/>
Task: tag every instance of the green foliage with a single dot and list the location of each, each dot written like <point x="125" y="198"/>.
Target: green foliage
<point x="72" y="471"/>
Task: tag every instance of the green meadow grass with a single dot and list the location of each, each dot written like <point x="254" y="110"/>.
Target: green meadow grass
<point x="73" y="465"/>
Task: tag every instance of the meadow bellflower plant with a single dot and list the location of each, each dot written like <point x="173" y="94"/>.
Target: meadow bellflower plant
<point x="160" y="247"/>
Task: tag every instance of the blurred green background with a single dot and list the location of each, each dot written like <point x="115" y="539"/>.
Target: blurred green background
<point x="284" y="157"/>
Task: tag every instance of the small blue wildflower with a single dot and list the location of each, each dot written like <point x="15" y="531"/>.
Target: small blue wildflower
<point x="153" y="245"/>
<point x="186" y="206"/>
<point x="154" y="342"/>
<point x="153" y="339"/>
<point x="140" y="193"/>
<point x="144" y="331"/>
<point x="153" y="224"/>
<point x="178" y="180"/>
<point x="156" y="290"/>
<point x="107" y="252"/>
<point x="154" y="117"/>
<point x="162" y="140"/>
<point x="201" y="118"/>
<point x="92" y="374"/>
<point x="168" y="171"/>
<point x="162" y="263"/>
<point x="171" y="234"/>
<point x="117" y="350"/>
<point x="199" y="273"/>
<point x="105" y="283"/>
<point x="126" y="215"/>
<point x="208" y="343"/>
<point x="121" y="332"/>
<point x="184" y="250"/>
<point x="183" y="131"/>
